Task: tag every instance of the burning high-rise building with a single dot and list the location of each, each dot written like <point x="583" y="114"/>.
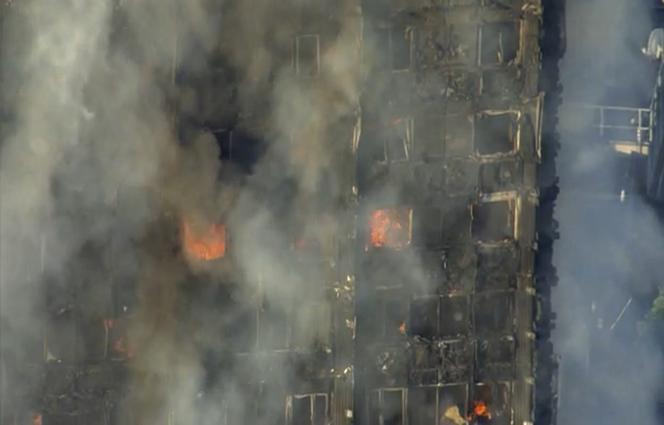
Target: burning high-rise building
<point x="291" y="213"/>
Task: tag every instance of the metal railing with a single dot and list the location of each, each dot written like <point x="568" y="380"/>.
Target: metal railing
<point x="622" y="125"/>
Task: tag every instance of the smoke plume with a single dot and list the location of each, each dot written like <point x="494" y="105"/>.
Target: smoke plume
<point x="104" y="158"/>
<point x="606" y="256"/>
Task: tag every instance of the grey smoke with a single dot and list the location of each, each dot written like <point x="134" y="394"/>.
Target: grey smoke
<point x="92" y="157"/>
<point x="607" y="250"/>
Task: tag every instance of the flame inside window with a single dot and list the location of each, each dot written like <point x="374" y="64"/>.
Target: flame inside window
<point x="480" y="410"/>
<point x="391" y="227"/>
<point x="37" y="419"/>
<point x="204" y="243"/>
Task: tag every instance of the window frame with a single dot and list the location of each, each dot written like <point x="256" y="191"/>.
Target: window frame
<point x="380" y="398"/>
<point x="298" y="66"/>
<point x="409" y="36"/>
<point x="406" y="137"/>
<point x="312" y="406"/>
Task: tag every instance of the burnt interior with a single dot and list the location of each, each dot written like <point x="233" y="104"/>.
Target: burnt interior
<point x="495" y="133"/>
<point x="307" y="58"/>
<point x="400" y="47"/>
<point x="500" y="43"/>
<point x="500" y="176"/>
<point x="493" y="221"/>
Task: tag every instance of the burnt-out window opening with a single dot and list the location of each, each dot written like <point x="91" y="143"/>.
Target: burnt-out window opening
<point x="239" y="147"/>
<point x="497" y="268"/>
<point x="379" y="39"/>
<point x="457" y="223"/>
<point x="500" y="176"/>
<point x="312" y="325"/>
<point x="58" y="380"/>
<point x="425" y="363"/>
<point x="390" y="315"/>
<point x="457" y="357"/>
<point x="307" y="55"/>
<point x="497" y="260"/>
<point x="434" y="266"/>
<point x="94" y="338"/>
<point x="422" y="405"/>
<point x="493" y="313"/>
<point x="119" y="344"/>
<point x="399" y="140"/>
<point x="495" y="281"/>
<point x="241" y="329"/>
<point x="307" y="409"/>
<point x="225" y="140"/>
<point x="458" y="135"/>
<point x="401" y="46"/>
<point x="500" y="83"/>
<point x="495" y="358"/>
<point x="454" y="316"/>
<point x="396" y="315"/>
<point x="462" y="269"/>
<point x="267" y="404"/>
<point x="61" y="339"/>
<point x="424" y="317"/>
<point x="427" y="226"/>
<point x="372" y="147"/>
<point x="493" y="221"/>
<point x="495" y="133"/>
<point x="499" y="43"/>
<point x="273" y="326"/>
<point x="461" y="86"/>
<point x="94" y="379"/>
<point x="461" y="176"/>
<point x="429" y="144"/>
<point x="234" y="412"/>
<point x="462" y="44"/>
<point x="387" y="406"/>
<point x="437" y="405"/>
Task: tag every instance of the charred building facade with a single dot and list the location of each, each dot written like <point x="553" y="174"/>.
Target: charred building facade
<point x="368" y="256"/>
<point x="448" y="187"/>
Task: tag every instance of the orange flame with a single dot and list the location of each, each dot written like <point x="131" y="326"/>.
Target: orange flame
<point x="390" y="227"/>
<point x="402" y="328"/>
<point x="480" y="409"/>
<point x="37" y="419"/>
<point x="207" y="245"/>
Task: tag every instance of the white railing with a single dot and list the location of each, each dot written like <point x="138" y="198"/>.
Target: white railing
<point x="622" y="125"/>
